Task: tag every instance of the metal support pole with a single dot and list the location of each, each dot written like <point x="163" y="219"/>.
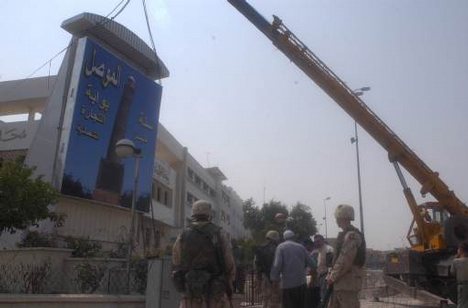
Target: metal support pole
<point x="361" y="215"/>
<point x="132" y="222"/>
<point x="325" y="219"/>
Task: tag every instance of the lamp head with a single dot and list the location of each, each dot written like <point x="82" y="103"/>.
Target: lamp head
<point x="126" y="148"/>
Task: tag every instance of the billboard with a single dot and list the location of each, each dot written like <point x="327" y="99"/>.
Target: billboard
<point x="108" y="101"/>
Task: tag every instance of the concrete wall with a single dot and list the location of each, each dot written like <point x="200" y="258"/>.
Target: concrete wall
<point x="71" y="301"/>
<point x="113" y="280"/>
<point x="27" y="269"/>
<point x="100" y="222"/>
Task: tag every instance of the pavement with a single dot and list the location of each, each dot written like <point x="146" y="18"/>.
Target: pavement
<point x="396" y="301"/>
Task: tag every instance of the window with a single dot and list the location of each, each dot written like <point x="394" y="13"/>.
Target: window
<point x="166" y="197"/>
<point x="226" y="198"/>
<point x="191" y="174"/>
<point x="161" y="193"/>
<point x="158" y="194"/>
<point x="191" y="199"/>
<point x="147" y="236"/>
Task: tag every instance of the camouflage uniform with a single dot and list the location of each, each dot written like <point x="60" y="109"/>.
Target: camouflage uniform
<point x="218" y="286"/>
<point x="460" y="270"/>
<point x="346" y="273"/>
<point x="270" y="293"/>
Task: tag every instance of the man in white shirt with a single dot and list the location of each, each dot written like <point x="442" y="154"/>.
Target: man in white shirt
<point x="324" y="254"/>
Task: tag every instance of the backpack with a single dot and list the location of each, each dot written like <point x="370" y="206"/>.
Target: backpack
<point x="201" y="260"/>
<point x="264" y="258"/>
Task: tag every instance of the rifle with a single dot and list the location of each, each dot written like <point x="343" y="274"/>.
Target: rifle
<point x="326" y="298"/>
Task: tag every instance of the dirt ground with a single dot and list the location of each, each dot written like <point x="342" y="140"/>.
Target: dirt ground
<point x="396" y="301"/>
<point x="375" y="295"/>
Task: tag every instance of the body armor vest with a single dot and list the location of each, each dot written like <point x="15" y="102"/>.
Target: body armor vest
<point x="199" y="247"/>
<point x="360" y="258"/>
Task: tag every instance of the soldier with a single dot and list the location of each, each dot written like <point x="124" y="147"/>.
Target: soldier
<point x="346" y="273"/>
<point x="264" y="257"/>
<point x="460" y="270"/>
<point x="202" y="260"/>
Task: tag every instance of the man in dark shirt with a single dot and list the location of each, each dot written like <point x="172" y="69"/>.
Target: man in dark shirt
<point x="264" y="257"/>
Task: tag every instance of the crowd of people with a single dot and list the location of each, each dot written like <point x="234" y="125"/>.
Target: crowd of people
<point x="290" y="273"/>
<point x="312" y="273"/>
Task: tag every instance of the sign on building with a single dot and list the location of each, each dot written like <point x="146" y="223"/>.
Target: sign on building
<point x="108" y="100"/>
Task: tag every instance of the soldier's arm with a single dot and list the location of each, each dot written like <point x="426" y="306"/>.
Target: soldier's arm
<point x="453" y="269"/>
<point x="345" y="260"/>
<point x="176" y="253"/>
<point x="277" y="264"/>
<point x="230" y="265"/>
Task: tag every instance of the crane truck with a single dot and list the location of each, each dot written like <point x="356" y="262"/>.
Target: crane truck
<point x="437" y="227"/>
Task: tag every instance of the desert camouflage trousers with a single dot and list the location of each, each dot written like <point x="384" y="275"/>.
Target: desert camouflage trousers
<point x="344" y="299"/>
<point x="271" y="296"/>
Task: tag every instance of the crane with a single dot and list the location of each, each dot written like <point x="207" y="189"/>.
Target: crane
<point x="440" y="225"/>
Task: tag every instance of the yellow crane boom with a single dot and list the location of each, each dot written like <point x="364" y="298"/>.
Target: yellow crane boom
<point x="399" y="153"/>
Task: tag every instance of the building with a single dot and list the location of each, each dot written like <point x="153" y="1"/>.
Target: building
<point x="178" y="181"/>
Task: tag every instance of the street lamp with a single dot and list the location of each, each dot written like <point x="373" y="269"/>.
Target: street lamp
<point x="360" y="91"/>
<point x="125" y="148"/>
<point x="325" y="216"/>
<point x="355" y="140"/>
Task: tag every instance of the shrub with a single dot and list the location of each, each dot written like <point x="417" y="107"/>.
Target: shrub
<point x="83" y="247"/>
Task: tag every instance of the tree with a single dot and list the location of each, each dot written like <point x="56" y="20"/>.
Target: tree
<point x="301" y="221"/>
<point x="260" y="220"/>
<point x="252" y="216"/>
<point x="24" y="200"/>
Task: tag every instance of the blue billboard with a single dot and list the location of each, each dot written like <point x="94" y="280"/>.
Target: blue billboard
<point x="113" y="101"/>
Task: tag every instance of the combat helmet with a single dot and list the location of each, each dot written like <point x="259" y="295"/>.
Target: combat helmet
<point x="272" y="235"/>
<point x="201" y="208"/>
<point x="344" y="211"/>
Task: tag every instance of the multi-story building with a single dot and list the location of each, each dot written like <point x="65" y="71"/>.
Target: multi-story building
<point x="178" y="179"/>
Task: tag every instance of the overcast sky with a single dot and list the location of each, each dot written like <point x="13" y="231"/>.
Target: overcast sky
<point x="236" y="102"/>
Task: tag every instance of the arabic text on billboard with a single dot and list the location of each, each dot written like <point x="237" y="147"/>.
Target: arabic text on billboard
<point x="113" y="102"/>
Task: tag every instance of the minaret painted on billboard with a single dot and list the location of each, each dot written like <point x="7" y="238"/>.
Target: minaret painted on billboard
<point x="110" y="176"/>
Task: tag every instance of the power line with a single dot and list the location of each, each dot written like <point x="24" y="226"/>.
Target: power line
<point x="104" y="21"/>
<point x="48" y="62"/>
<point x="115" y="8"/>
<point x="158" y="68"/>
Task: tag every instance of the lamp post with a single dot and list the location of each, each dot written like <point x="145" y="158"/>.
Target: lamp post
<point x="355" y="140"/>
<point x="325" y="215"/>
<point x="125" y="148"/>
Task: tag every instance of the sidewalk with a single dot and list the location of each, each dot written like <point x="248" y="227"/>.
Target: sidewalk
<point x="396" y="301"/>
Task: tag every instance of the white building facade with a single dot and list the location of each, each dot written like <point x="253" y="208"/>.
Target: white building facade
<point x="178" y="181"/>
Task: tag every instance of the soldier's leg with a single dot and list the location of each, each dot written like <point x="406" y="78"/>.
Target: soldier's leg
<point x="187" y="302"/>
<point x="266" y="291"/>
<point x="220" y="301"/>
<point x="344" y="299"/>
<point x="462" y="295"/>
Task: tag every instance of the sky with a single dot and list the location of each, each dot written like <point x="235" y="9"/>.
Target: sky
<point x="238" y="103"/>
